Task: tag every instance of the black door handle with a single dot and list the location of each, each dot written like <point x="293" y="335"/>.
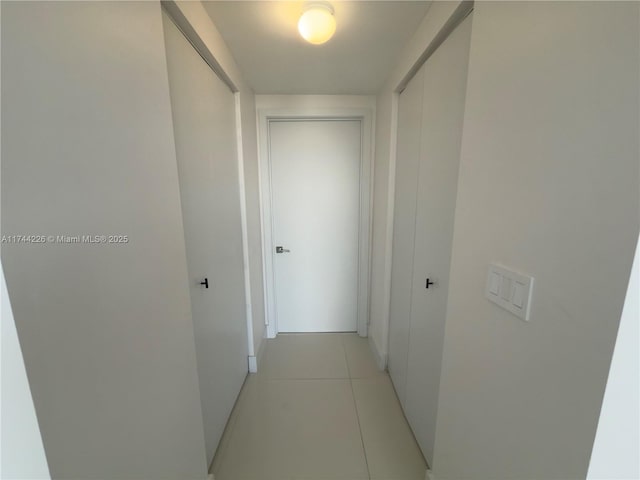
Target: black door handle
<point x="280" y="249"/>
<point x="205" y="283"/>
<point x="429" y="282"/>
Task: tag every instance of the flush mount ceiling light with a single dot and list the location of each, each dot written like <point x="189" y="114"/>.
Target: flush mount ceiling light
<point x="317" y="24"/>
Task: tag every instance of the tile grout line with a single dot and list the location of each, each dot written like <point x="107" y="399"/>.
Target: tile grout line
<point x="298" y="379"/>
<point x="355" y="405"/>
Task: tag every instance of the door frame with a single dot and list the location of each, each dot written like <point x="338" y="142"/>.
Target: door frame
<point x="365" y="116"/>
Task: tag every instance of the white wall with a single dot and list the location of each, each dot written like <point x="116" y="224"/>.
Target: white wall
<point x="21" y="451"/>
<point x="382" y="228"/>
<point x="105" y="330"/>
<point x="313" y="103"/>
<point x="548" y="186"/>
<point x="384" y="179"/>
<point x="251" y="176"/>
<point x="617" y="443"/>
<point x="204" y="26"/>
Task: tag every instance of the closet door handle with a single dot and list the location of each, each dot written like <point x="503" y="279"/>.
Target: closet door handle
<point x="429" y="282"/>
<point x="205" y="282"/>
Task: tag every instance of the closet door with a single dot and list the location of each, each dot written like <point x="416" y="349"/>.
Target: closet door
<point x="407" y="166"/>
<point x="445" y="80"/>
<point x="204" y="125"/>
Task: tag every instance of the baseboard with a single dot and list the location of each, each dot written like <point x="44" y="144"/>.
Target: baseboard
<point x="271" y="331"/>
<point x="256" y="360"/>
<point x="253" y="364"/>
<point x="381" y="358"/>
<point x="429" y="475"/>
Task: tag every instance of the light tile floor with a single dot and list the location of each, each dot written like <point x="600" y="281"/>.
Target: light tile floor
<point x="318" y="409"/>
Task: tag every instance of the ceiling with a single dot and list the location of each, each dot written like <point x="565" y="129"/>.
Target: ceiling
<point x="264" y="40"/>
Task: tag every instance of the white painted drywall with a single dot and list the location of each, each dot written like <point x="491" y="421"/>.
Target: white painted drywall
<point x="21" y="451"/>
<point x="548" y="186"/>
<point x="384" y="176"/>
<point x="313" y="104"/>
<point x="205" y="27"/>
<point x="382" y="225"/>
<point x="617" y="443"/>
<point x="105" y="330"/>
<point x="254" y="229"/>
<point x="264" y="38"/>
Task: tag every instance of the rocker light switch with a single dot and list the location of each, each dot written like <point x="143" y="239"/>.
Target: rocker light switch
<point x="505" y="288"/>
<point x="510" y="290"/>
<point x="518" y="294"/>
<point x="495" y="281"/>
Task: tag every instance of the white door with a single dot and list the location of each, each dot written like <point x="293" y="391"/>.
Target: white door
<point x="315" y="188"/>
<point x="404" y="223"/>
<point x="445" y="82"/>
<point x="430" y="120"/>
<point x="205" y="134"/>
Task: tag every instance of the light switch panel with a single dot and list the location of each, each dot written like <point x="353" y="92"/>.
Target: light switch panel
<point x="509" y="289"/>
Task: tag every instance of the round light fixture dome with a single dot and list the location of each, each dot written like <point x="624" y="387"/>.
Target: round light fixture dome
<point x="317" y="24"/>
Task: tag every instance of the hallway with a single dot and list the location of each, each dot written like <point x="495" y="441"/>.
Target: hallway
<point x="455" y="181"/>
<point x="318" y="409"/>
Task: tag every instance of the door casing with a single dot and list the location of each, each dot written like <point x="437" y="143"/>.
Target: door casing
<point x="365" y="116"/>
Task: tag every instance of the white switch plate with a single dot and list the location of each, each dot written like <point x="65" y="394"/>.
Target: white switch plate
<point x="511" y="290"/>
